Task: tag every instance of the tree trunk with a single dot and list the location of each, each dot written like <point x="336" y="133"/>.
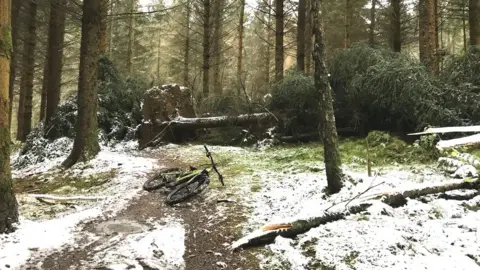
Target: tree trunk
<point x="301" y="36"/>
<point x="348" y="22"/>
<point x="86" y="145"/>
<point x="8" y="202"/>
<point x="427" y="35"/>
<point x="159" y="51"/>
<point x="279" y="29"/>
<point x="371" y="36"/>
<point x="464" y="28"/>
<point x="396" y="25"/>
<point x="474" y="22"/>
<point x="26" y="83"/>
<point x="268" y="33"/>
<point x="16" y="6"/>
<point x="217" y="45"/>
<point x="186" y="56"/>
<point x="131" y="37"/>
<point x="308" y="38"/>
<point x="110" y="32"/>
<point x="206" y="47"/>
<point x="103" y="28"/>
<point x="240" y="45"/>
<point x="52" y="78"/>
<point x="327" y="117"/>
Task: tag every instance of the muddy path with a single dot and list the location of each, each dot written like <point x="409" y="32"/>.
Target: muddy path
<point x="209" y="229"/>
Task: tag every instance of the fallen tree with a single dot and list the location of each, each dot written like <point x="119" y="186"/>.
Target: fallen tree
<point x="340" y="211"/>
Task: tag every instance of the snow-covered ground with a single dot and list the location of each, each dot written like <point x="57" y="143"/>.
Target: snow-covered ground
<point x="40" y="237"/>
<point x="440" y="234"/>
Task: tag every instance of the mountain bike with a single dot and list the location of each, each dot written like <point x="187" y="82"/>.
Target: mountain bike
<point x="183" y="184"/>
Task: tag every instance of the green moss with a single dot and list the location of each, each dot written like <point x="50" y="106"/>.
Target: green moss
<point x="363" y="217"/>
<point x="436" y="212"/>
<point x="6" y="47"/>
<point x="59" y="184"/>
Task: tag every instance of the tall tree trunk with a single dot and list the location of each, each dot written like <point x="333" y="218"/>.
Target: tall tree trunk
<point x="206" y="47"/>
<point x="308" y="37"/>
<point x="103" y="27"/>
<point x="464" y="27"/>
<point x="186" y="56"/>
<point x="131" y="37"/>
<point x="348" y="22"/>
<point x="279" y="29"/>
<point x="8" y="202"/>
<point x="16" y="6"/>
<point x="240" y="45"/>
<point x="110" y="32"/>
<point x="301" y="36"/>
<point x="396" y="25"/>
<point x="268" y="33"/>
<point x="427" y="35"/>
<point x="159" y="50"/>
<point x="217" y="41"/>
<point x="371" y="36"/>
<point x="474" y="22"/>
<point x="52" y="78"/>
<point x="26" y="83"/>
<point x="327" y="117"/>
<point x="86" y="145"/>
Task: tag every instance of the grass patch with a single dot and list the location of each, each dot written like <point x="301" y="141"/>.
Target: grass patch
<point x="56" y="184"/>
<point x="351" y="259"/>
<point x="363" y="217"/>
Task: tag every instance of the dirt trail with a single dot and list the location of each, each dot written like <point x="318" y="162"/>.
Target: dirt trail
<point x="209" y="228"/>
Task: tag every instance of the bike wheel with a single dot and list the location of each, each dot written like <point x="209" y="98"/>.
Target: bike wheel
<point x="189" y="189"/>
<point x="161" y="178"/>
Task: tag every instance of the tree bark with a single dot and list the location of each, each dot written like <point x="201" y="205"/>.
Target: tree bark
<point x="396" y="25"/>
<point x="52" y="78"/>
<point x="206" y="47"/>
<point x="26" y="82"/>
<point x="393" y="199"/>
<point x="371" y="34"/>
<point x="86" y="145"/>
<point x="301" y="36"/>
<point x="427" y="35"/>
<point x="110" y="32"/>
<point x="268" y="33"/>
<point x="240" y="45"/>
<point x="308" y="38"/>
<point x="131" y="37"/>
<point x="8" y="202"/>
<point x="279" y="29"/>
<point x="186" y="56"/>
<point x="103" y="28"/>
<point x="217" y="41"/>
<point x="16" y="6"/>
<point x="464" y="28"/>
<point x="327" y="118"/>
<point x="348" y="22"/>
<point x="474" y="22"/>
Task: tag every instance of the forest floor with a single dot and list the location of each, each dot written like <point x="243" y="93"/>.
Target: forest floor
<point x="134" y="229"/>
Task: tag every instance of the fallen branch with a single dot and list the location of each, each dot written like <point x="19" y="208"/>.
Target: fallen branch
<point x="394" y="199"/>
<point x="65" y="198"/>
<point x="459" y="129"/>
<point x="217" y="121"/>
<point x="469" y="140"/>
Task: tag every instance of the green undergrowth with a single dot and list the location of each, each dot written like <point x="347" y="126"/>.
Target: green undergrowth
<point x="62" y="183"/>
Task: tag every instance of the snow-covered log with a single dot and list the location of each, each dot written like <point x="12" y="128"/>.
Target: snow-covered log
<point x="437" y="130"/>
<point x="469" y="140"/>
<point x="394" y="199"/>
<point x="218" y="121"/>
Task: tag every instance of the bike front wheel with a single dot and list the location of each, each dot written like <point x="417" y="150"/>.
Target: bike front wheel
<point x="189" y="189"/>
<point x="161" y="178"/>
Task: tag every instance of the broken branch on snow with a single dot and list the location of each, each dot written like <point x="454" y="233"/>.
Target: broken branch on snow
<point x="66" y="198"/>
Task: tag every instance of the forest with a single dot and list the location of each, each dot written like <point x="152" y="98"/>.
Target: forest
<point x="234" y="134"/>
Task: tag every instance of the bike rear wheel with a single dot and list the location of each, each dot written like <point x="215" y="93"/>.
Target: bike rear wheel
<point x="161" y="178"/>
<point x="189" y="189"/>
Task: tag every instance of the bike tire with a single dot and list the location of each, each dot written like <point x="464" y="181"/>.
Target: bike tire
<point x="189" y="189"/>
<point x="159" y="180"/>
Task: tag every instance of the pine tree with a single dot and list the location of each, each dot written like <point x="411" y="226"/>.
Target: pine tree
<point x="428" y="35"/>
<point x="474" y="22"/>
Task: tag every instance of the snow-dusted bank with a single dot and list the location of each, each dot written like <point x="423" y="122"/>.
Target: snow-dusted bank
<point x="41" y="237"/>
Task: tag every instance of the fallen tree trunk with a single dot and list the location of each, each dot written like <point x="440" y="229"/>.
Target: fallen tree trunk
<point x="469" y="140"/>
<point x="459" y="129"/>
<point x="217" y="121"/>
<point x="394" y="199"/>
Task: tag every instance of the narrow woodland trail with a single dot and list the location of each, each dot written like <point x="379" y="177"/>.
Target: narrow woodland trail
<point x="195" y="235"/>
